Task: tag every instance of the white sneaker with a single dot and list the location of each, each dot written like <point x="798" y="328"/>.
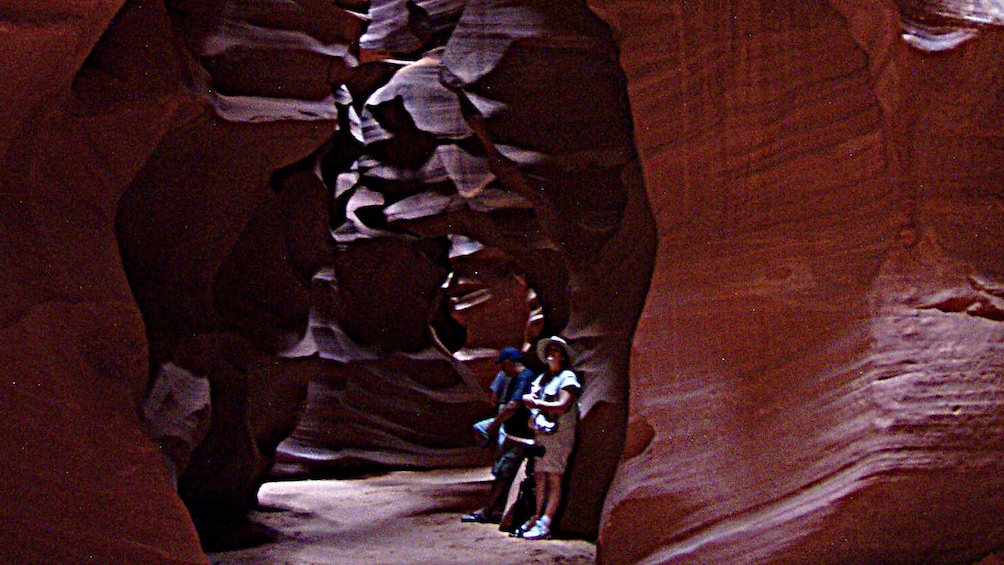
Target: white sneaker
<point x="540" y="530"/>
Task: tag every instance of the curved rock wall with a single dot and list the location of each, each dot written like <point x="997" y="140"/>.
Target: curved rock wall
<point x="815" y="376"/>
<point x="82" y="480"/>
<point x="478" y="135"/>
<point x="817" y="369"/>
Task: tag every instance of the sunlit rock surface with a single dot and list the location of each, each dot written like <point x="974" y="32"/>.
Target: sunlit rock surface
<point x="940" y="25"/>
<point x="815" y="376"/>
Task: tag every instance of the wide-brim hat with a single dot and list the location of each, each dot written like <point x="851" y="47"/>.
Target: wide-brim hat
<point x="554" y="340"/>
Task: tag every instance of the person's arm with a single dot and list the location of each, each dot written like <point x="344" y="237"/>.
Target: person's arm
<point x="560" y="405"/>
<point x="496" y="388"/>
<point x="566" y="397"/>
<point x="504" y="414"/>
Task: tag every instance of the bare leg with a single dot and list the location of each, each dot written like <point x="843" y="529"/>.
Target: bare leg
<point x="553" y="495"/>
<point x="543" y="481"/>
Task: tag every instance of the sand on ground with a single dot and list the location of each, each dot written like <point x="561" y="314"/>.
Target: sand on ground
<point x="393" y="518"/>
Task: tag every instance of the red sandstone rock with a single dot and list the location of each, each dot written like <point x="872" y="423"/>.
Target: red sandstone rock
<point x="797" y="394"/>
<point x="82" y="480"/>
<point x="815" y="374"/>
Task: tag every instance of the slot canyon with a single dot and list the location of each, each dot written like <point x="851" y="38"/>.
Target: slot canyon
<point x="256" y="240"/>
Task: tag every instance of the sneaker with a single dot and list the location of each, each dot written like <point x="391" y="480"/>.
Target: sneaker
<point x="519" y="531"/>
<point x="540" y="530"/>
<point x="480" y="518"/>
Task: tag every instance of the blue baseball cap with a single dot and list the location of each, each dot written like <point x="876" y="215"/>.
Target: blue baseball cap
<point x="509" y="354"/>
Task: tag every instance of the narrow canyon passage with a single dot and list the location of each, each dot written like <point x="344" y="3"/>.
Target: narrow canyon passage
<point x="358" y="212"/>
<point x="394" y="517"/>
<point x="773" y="232"/>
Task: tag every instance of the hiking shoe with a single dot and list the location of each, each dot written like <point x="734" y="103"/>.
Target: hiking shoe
<point x="538" y="531"/>
<point x="480" y="518"/>
<point x="520" y="530"/>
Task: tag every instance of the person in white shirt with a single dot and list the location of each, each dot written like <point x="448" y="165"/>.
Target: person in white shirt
<point x="554" y="411"/>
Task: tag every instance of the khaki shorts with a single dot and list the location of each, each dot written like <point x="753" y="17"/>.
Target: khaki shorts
<point x="557" y="449"/>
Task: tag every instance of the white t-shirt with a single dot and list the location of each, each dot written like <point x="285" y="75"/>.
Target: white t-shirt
<point x="548" y="392"/>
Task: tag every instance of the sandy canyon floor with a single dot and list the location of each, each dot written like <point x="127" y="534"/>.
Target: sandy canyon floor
<point x="401" y="517"/>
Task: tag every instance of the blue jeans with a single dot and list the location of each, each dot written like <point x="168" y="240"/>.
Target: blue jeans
<point x="481" y="428"/>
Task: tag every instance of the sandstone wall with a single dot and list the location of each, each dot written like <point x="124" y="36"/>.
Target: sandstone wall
<point x="816" y="374"/>
<point x="82" y="480"/>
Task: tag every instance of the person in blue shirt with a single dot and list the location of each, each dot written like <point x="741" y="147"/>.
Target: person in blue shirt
<point x="511" y="428"/>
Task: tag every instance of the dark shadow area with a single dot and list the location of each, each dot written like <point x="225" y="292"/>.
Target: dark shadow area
<point x="230" y="532"/>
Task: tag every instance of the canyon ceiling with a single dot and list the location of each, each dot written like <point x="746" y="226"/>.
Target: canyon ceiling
<point x="259" y="238"/>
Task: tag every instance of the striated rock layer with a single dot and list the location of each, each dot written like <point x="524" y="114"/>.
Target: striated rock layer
<point x="817" y="371"/>
<point x="472" y="146"/>
<point x="772" y="231"/>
